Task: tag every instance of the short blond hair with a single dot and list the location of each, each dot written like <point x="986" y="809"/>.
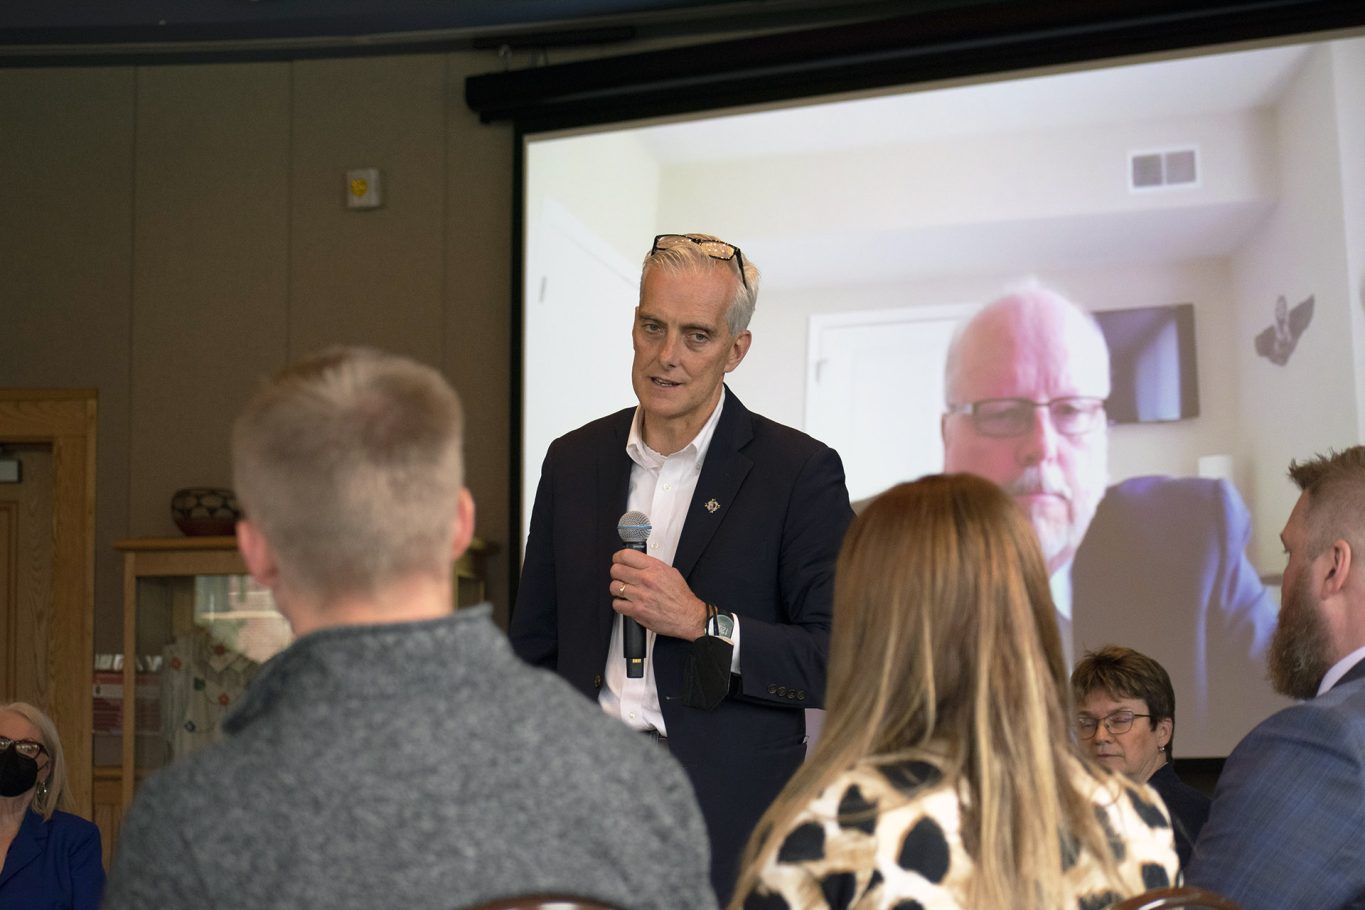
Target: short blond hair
<point x="1335" y="487"/>
<point x="54" y="796"/>
<point x="350" y="464"/>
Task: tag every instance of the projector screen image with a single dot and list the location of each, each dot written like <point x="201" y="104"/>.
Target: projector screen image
<point x="1177" y="200"/>
<point x="1152" y="363"/>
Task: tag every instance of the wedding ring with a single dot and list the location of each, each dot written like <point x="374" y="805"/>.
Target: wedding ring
<point x="621" y="591"/>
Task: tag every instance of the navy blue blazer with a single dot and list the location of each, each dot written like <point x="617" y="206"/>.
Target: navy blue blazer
<point x="1163" y="569"/>
<point x="759" y="540"/>
<point x="53" y="865"/>
<point x="1189" y="809"/>
<point x="1287" y="827"/>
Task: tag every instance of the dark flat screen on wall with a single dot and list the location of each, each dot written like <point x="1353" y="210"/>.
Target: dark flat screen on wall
<point x="1154" y="376"/>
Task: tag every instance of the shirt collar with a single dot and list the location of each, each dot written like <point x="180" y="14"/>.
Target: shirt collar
<point x="645" y="457"/>
<point x="1340" y="669"/>
<point x="1060" y="584"/>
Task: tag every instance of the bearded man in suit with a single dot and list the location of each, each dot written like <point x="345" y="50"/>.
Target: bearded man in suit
<point x="1287" y="825"/>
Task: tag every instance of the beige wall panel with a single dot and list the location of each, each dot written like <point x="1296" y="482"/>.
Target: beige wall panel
<point x="368" y="276"/>
<point x="210" y="268"/>
<point x="66" y="144"/>
<point x="478" y="253"/>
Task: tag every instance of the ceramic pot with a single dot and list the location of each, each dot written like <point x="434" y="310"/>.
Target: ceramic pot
<point x="205" y="511"/>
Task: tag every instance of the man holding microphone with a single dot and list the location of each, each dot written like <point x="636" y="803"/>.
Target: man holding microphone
<point x="734" y="585"/>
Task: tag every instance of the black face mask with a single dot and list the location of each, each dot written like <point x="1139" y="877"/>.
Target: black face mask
<point x="18" y="773"/>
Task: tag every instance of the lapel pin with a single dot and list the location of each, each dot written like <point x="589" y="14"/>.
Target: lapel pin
<point x="712" y="505"/>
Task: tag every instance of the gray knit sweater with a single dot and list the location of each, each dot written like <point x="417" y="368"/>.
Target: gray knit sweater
<point x="413" y="765"/>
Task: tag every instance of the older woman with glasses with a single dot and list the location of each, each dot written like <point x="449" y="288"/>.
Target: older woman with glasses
<point x="945" y="776"/>
<point x="1125" y="716"/>
<point x="49" y="859"/>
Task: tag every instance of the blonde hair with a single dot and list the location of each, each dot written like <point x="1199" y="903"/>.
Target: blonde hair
<point x="944" y="649"/>
<point x="350" y="464"/>
<point x="54" y="795"/>
<point x="682" y="257"/>
<point x="1335" y="484"/>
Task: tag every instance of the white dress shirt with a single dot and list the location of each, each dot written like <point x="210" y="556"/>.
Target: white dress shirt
<point x="1340" y="668"/>
<point x="1060" y="584"/>
<point x="661" y="486"/>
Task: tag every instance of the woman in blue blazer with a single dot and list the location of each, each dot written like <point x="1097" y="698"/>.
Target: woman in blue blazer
<point x="49" y="859"/>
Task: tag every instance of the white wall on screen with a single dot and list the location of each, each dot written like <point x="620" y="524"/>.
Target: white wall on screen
<point x="1348" y="65"/>
<point x="591" y="176"/>
<point x="575" y="281"/>
<point x="882" y="369"/>
<point x="977" y="194"/>
<point x="1309" y="404"/>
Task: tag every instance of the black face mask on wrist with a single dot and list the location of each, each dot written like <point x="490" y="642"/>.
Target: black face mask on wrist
<point x="18" y="773"/>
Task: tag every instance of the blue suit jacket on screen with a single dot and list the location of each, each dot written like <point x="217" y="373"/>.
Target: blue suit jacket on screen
<point x="1163" y="569"/>
<point x="759" y="540"/>
<point x="1287" y="827"/>
<point x="53" y="865"/>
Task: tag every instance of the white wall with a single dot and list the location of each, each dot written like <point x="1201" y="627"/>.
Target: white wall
<point x="590" y="177"/>
<point x="837" y="197"/>
<point x="1348" y="69"/>
<point x="1310" y="403"/>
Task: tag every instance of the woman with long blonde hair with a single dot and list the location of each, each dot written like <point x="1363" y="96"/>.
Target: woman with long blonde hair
<point x="945" y="773"/>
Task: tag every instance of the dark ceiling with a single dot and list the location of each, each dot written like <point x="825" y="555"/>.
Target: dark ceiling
<point x="48" y="31"/>
<point x="569" y="62"/>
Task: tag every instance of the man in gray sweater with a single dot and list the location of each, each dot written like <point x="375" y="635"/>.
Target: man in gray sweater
<point x="396" y="754"/>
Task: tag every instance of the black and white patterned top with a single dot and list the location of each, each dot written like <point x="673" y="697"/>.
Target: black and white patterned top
<point x="845" y="851"/>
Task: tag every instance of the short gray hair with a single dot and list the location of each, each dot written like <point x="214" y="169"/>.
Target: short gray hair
<point x="685" y="257"/>
<point x="351" y="465"/>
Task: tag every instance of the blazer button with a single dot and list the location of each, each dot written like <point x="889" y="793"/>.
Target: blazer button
<point x="800" y="694"/>
<point x="597" y="681"/>
<point x="772" y="688"/>
<point x="781" y="690"/>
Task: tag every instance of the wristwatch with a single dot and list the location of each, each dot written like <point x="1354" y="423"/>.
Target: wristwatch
<point x="721" y="625"/>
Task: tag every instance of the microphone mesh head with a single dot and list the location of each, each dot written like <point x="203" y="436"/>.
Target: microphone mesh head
<point x="634" y="527"/>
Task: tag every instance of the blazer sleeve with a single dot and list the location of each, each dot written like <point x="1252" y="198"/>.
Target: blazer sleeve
<point x="1248" y="614"/>
<point x="1285" y="828"/>
<point x="780" y="659"/>
<point x="86" y="864"/>
<point x="533" y="629"/>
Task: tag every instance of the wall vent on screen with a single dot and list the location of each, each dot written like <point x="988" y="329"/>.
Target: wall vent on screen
<point x="1176" y="168"/>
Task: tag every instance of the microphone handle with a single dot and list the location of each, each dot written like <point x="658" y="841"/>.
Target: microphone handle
<point x="633" y="637"/>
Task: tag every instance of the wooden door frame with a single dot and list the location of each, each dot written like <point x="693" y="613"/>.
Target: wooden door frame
<point x="65" y="420"/>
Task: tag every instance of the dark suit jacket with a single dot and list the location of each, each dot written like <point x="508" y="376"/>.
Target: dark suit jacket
<point x="760" y="539"/>
<point x="1189" y="809"/>
<point x="1287" y="827"/>
<point x="53" y="865"/>
<point x="1163" y="569"/>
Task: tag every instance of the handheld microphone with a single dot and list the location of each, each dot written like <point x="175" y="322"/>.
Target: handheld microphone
<point x="633" y="529"/>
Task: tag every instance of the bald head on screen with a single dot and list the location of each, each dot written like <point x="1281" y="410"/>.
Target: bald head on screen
<point x="1026" y="380"/>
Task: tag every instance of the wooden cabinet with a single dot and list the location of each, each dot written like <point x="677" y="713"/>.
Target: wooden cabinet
<point x="175" y="590"/>
<point x="196" y="627"/>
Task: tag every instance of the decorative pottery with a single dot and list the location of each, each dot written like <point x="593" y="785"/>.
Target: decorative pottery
<point x="205" y="511"/>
